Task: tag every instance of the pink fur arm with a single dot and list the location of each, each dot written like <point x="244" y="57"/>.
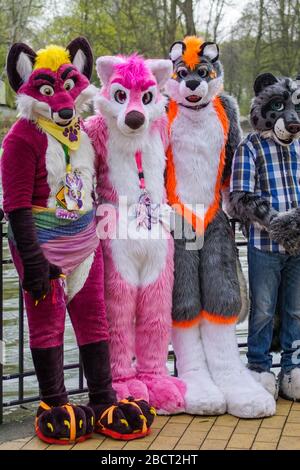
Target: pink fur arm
<point x="161" y="125"/>
<point x="96" y="128"/>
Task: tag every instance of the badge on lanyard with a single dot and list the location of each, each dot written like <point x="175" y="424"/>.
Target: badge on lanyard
<point x="74" y="192"/>
<point x="69" y="198"/>
<point x="145" y="213"/>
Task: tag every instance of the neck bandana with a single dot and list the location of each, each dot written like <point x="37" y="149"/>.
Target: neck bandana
<point x="66" y="135"/>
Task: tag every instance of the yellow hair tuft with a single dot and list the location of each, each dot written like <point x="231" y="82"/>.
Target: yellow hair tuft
<point x="52" y="57"/>
<point x="191" y="53"/>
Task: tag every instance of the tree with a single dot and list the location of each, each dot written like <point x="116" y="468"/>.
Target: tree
<point x="187" y="8"/>
<point x="216" y="12"/>
<point x="283" y="23"/>
<point x="17" y="22"/>
<point x="265" y="38"/>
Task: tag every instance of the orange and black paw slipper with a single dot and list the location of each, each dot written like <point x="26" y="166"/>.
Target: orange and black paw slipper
<point x="64" y="425"/>
<point x="113" y="423"/>
<point x="148" y="411"/>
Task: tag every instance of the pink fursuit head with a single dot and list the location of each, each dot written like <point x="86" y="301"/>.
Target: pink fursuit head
<point x="131" y="91"/>
<point x="134" y="73"/>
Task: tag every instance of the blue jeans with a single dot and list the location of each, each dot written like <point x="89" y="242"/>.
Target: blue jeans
<point x="274" y="282"/>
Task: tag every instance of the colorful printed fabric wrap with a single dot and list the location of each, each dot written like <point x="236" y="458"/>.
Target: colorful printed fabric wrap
<point x="65" y="243"/>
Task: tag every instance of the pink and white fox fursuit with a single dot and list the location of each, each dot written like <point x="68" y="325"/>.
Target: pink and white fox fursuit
<point x="130" y="117"/>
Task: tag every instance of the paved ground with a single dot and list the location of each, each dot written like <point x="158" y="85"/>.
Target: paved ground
<point x="185" y="432"/>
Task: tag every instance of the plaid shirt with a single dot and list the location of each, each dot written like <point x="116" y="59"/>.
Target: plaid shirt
<point x="272" y="171"/>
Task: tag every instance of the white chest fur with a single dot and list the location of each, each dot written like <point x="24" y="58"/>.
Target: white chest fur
<point x="139" y="260"/>
<point x="123" y="173"/>
<point x="82" y="160"/>
<point x="197" y="139"/>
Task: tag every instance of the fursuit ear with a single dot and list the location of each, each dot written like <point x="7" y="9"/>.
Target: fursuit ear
<point x="176" y="50"/>
<point x="162" y="70"/>
<point x="19" y="64"/>
<point x="105" y="67"/>
<point x="81" y="56"/>
<point x="263" y="81"/>
<point x="210" y="50"/>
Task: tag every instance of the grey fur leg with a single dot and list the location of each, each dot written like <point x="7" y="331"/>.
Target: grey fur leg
<point x="219" y="283"/>
<point x="285" y="230"/>
<point x="244" y="312"/>
<point x="249" y="208"/>
<point x="186" y="292"/>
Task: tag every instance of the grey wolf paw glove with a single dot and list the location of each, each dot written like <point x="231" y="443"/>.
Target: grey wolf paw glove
<point x="37" y="270"/>
<point x="285" y="230"/>
<point x="249" y="208"/>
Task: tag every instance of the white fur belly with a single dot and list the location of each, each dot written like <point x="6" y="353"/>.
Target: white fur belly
<point x="197" y="140"/>
<point x="82" y="160"/>
<point x="139" y="255"/>
<point x="77" y="279"/>
<point x="140" y="262"/>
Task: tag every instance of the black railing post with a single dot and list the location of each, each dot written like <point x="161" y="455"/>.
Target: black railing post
<point x="80" y="377"/>
<point x="21" y="345"/>
<point x="1" y="321"/>
<point x="233" y="226"/>
<point x="175" y="367"/>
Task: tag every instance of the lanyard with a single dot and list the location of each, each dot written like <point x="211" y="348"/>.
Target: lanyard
<point x="67" y="157"/>
<point x="144" y="209"/>
<point x="138" y="160"/>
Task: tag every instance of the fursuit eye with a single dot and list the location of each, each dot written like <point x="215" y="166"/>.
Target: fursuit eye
<point x="182" y="73"/>
<point x="46" y="90"/>
<point x="203" y="72"/>
<point x="277" y="106"/>
<point x="120" y="96"/>
<point x="147" y="98"/>
<point x="69" y="84"/>
<point x="297" y="107"/>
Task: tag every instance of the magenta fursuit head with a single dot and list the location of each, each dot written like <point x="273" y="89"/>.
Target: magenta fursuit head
<point x="52" y="83"/>
<point x="139" y="269"/>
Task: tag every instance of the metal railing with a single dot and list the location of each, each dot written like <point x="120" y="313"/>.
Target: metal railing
<point x="22" y="373"/>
